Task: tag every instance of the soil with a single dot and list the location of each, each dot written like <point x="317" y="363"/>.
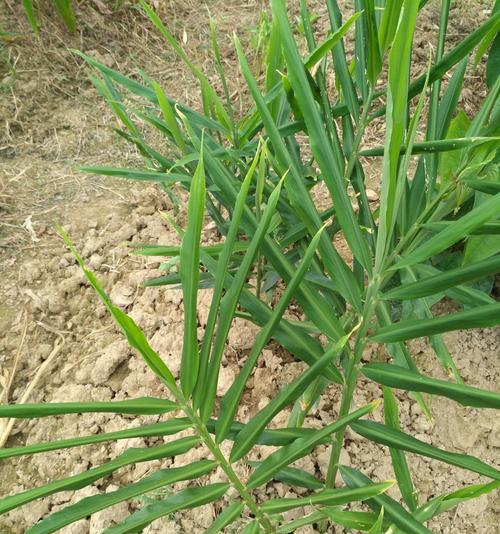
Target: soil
<point x="52" y="122"/>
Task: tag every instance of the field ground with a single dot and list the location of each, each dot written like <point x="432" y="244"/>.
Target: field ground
<point x="52" y="121"/>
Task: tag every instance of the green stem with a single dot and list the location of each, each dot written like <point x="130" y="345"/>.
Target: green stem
<point x="351" y="378"/>
<point x="204" y="434"/>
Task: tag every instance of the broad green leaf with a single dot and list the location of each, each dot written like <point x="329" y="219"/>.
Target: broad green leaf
<point x="461" y="228"/>
<point x="294" y="477"/>
<point x="189" y="270"/>
<point x="399" y="463"/>
<point x="300" y="447"/>
<point x="398" y="377"/>
<point x="480" y="317"/>
<point x="157" y="429"/>
<point x="450" y="163"/>
<point x="326" y="497"/>
<point x="140" y="406"/>
<point x="135" y="336"/>
<point x="246" y="439"/>
<point x="438" y="283"/>
<point x="90" y="505"/>
<point x="392" y="509"/>
<point x="393" y="438"/>
<point x="129" y="457"/>
<point x="184" y="499"/>
<point x="230" y="514"/>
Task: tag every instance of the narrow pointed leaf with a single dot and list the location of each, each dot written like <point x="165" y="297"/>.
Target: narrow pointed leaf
<point x="324" y="48"/>
<point x="438" y="283"/>
<point x="480" y="317"/>
<point x="95" y="503"/>
<point x="129" y="457"/>
<point x="184" y="499"/>
<point x="295" y="477"/>
<point x="327" y="497"/>
<point x="189" y="270"/>
<point x="157" y="429"/>
<point x="455" y="232"/>
<point x="142" y="406"/>
<point x="393" y="438"/>
<point x="398" y="377"/>
<point x="230" y="514"/>
<point x="392" y="509"/>
<point x="135" y="336"/>
<point x="399" y="463"/>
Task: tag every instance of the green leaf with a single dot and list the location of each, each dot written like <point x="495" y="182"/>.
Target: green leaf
<point x="398" y="377"/>
<point x="399" y="463"/>
<point x="129" y="457"/>
<point x="66" y="12"/>
<point x="392" y="509"/>
<point x="142" y="406"/>
<point x="450" y="163"/>
<point x="184" y="499"/>
<point x="251" y="528"/>
<point x="431" y="147"/>
<point x="438" y="283"/>
<point x="374" y="61"/>
<point x="322" y="50"/>
<point x="393" y="438"/>
<point x="138" y="174"/>
<point x="157" y="429"/>
<point x="389" y="23"/>
<point x="354" y="520"/>
<point x="461" y="228"/>
<point x="480" y="317"/>
<point x="29" y="10"/>
<point x="135" y="336"/>
<point x="230" y="514"/>
<point x="377" y="526"/>
<point x="169" y="116"/>
<point x="229" y="247"/>
<point x="247" y="437"/>
<point x="396" y="115"/>
<point x="328" y="497"/>
<point x="294" y="477"/>
<point x="90" y="505"/>
<point x="485" y="186"/>
<point x="320" y="146"/>
<point x="230" y="301"/>
<point x="300" y="447"/>
<point x="189" y="270"/>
